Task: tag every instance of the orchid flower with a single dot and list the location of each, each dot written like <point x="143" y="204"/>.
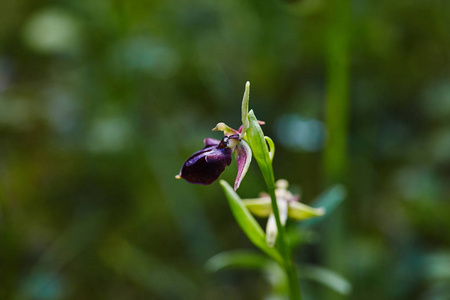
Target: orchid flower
<point x="206" y="165"/>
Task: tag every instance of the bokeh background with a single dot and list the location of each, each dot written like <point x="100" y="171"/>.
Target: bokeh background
<point x="102" y="101"/>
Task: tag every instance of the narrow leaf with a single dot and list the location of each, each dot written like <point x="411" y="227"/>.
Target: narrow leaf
<point x="326" y="277"/>
<point x="237" y="259"/>
<point x="248" y="223"/>
<point x="257" y="142"/>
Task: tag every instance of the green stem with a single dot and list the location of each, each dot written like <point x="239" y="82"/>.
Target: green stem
<point x="294" y="287"/>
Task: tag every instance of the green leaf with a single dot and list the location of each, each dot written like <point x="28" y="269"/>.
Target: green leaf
<point x="237" y="259"/>
<point x="329" y="200"/>
<point x="326" y="277"/>
<point x="257" y="142"/>
<point x="260" y="149"/>
<point x="248" y="223"/>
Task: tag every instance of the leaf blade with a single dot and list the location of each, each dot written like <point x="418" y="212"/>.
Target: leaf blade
<point x="258" y="145"/>
<point x="242" y="259"/>
<point x="327" y="278"/>
<point x="248" y="223"/>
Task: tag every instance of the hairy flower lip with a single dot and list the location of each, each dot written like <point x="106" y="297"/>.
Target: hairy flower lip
<point x="206" y="165"/>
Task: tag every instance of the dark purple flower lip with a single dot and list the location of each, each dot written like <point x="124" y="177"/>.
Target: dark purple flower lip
<point x="206" y="165"/>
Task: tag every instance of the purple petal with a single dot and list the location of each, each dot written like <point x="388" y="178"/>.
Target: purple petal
<point x="243" y="159"/>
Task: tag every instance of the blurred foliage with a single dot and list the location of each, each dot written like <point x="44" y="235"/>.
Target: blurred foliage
<point x="102" y="101"/>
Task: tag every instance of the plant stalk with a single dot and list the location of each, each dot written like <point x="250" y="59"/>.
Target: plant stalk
<point x="291" y="273"/>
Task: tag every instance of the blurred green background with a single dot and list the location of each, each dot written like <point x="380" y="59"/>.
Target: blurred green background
<point x="102" y="101"/>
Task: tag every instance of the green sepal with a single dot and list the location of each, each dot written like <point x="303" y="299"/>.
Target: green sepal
<point x="244" y="108"/>
<point x="260" y="207"/>
<point x="300" y="211"/>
